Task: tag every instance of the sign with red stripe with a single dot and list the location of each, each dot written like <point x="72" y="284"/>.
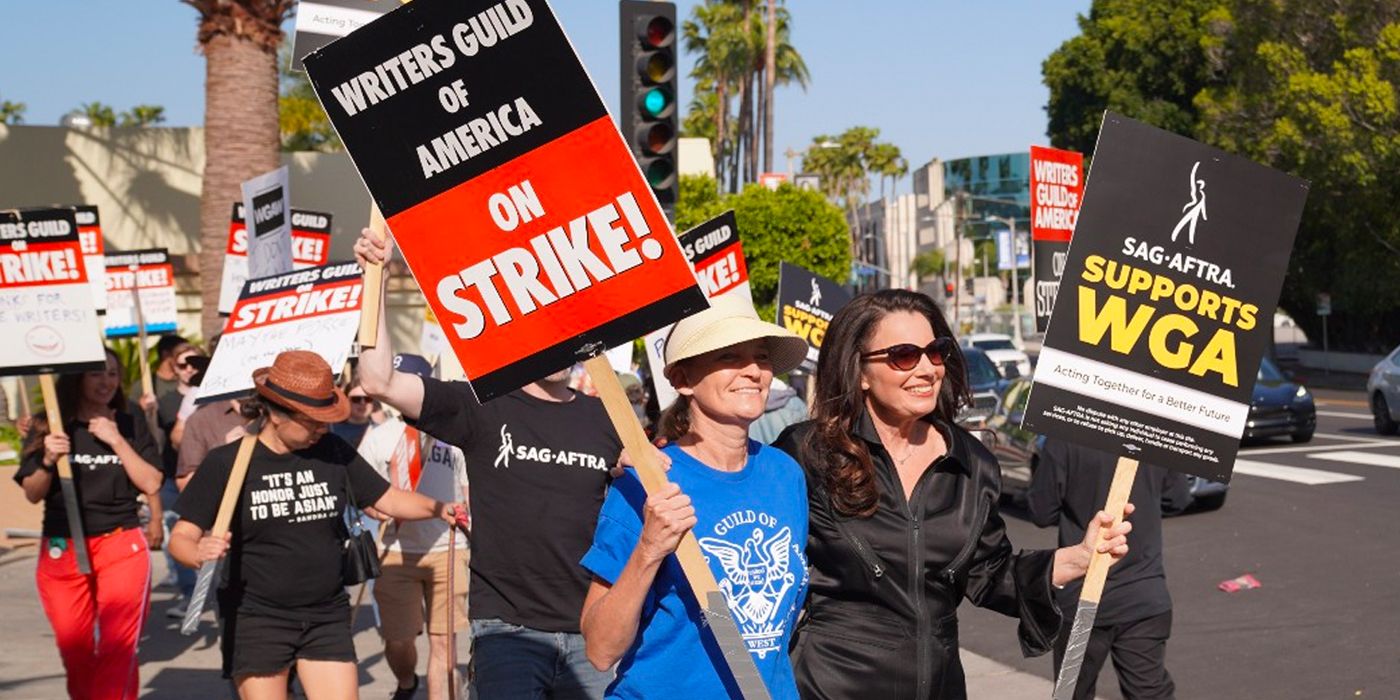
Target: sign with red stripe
<point x="316" y="309"/>
<point x="90" y="236"/>
<point x="518" y="206"/>
<point x="311" y="247"/>
<point x="140" y="274"/>
<point x="1057" y="188"/>
<point x="46" y="308"/>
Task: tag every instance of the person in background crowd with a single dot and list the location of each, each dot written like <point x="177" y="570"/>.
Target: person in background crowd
<point x="1135" y="612"/>
<point x="283" y="600"/>
<point x="416" y="553"/>
<point x="636" y="395"/>
<point x="113" y="457"/>
<point x="538" y="461"/>
<point x="904" y="519"/>
<point x="353" y="428"/>
<point x="203" y="427"/>
<point x="167" y="417"/>
<point x="165" y="377"/>
<point x="784" y="408"/>
<point x="746" y="502"/>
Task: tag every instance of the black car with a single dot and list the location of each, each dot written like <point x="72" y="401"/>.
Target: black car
<point x="1017" y="451"/>
<point x="986" y="384"/>
<point x="1279" y="407"/>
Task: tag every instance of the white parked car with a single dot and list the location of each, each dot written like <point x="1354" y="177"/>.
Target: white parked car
<point x="1383" y="390"/>
<point x="1002" y="351"/>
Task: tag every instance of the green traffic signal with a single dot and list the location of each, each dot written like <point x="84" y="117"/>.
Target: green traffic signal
<point x="656" y="102"/>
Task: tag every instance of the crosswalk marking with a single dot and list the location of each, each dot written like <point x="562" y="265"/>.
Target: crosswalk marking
<point x="1299" y="475"/>
<point x="1353" y="457"/>
<point x="1346" y="414"/>
<point x="1352" y="441"/>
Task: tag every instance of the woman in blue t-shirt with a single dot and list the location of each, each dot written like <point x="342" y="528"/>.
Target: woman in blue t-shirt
<point x="745" y="502"/>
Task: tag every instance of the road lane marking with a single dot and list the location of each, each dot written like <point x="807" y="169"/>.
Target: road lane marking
<point x="1299" y="475"/>
<point x="1342" y="402"/>
<point x="1346" y="414"/>
<point x="1351" y="442"/>
<point x="1374" y="460"/>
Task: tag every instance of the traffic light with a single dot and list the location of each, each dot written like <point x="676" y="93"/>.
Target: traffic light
<point x="648" y="49"/>
<point x="949" y="289"/>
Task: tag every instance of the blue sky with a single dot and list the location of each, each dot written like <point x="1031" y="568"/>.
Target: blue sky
<point x="939" y="78"/>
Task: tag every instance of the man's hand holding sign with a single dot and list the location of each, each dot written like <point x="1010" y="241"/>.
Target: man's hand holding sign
<point x="1156" y="337"/>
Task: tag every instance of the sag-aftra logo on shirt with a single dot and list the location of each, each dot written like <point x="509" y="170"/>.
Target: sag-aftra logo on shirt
<point x="543" y="455"/>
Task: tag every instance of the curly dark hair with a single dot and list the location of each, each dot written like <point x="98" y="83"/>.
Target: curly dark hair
<point x="844" y="461"/>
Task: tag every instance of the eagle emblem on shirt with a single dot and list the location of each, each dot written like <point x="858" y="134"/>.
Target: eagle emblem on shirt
<point x="756" y="577"/>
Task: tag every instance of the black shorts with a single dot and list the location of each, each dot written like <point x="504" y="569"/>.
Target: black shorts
<point x="261" y="645"/>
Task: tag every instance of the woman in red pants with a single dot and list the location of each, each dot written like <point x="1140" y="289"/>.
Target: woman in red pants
<point x="113" y="459"/>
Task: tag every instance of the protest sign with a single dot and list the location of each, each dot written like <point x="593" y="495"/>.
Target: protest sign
<point x="267" y="196"/>
<point x="320" y="22"/>
<point x="149" y="276"/>
<point x="311" y="247"/>
<point x="431" y="340"/>
<point x="46" y="306"/>
<point x="1056" y="191"/>
<point x="717" y="256"/>
<point x="316" y="309"/>
<point x="90" y="236"/>
<point x="806" y="303"/>
<point x="517" y="205"/>
<point x="1168" y="307"/>
<point x="1154" y="352"/>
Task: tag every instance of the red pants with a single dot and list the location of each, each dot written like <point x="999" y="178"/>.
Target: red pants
<point x="111" y="601"/>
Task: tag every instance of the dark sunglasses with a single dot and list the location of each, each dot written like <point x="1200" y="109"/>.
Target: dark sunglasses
<point x="905" y="356"/>
<point x="360" y="399"/>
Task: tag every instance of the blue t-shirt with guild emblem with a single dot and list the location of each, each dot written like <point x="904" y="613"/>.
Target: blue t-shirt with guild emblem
<point x="752" y="527"/>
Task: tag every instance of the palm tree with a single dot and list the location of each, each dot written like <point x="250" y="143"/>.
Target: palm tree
<point x="142" y="115"/>
<point x="239" y="39"/>
<point x="731" y="41"/>
<point x="97" y="113"/>
<point x="12" y="112"/>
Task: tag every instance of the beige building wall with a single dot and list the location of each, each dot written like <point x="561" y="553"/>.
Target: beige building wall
<point x="146" y="183"/>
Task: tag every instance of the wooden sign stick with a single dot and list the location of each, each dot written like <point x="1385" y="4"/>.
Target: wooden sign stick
<point x="147" y="384"/>
<point x="370" y="300"/>
<point x="232" y="489"/>
<point x="65" y="477"/>
<point x="702" y="581"/>
<point x="451" y="613"/>
<point x="24" y="408"/>
<point x="1094" y="580"/>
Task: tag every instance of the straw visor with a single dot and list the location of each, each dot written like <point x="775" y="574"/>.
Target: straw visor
<point x="729" y="321"/>
<point x="302" y="381"/>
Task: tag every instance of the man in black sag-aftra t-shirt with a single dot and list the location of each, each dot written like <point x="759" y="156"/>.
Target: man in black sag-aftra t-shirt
<point x="538" y="461"/>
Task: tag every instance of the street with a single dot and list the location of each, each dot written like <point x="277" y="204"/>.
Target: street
<point x="1315" y="524"/>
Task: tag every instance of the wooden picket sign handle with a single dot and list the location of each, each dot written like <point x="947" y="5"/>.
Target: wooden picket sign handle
<point x="65" y="477"/>
<point x="232" y="488"/>
<point x="370" y="300"/>
<point x="147" y="384"/>
<point x="24" y="397"/>
<point x="1118" y="493"/>
<point x="688" y="553"/>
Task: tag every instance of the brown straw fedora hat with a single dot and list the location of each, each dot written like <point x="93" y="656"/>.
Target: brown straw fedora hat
<point x="302" y="381"/>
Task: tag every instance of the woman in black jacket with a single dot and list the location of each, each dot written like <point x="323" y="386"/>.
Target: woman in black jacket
<point x="903" y="514"/>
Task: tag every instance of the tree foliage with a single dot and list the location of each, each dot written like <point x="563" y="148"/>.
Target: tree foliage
<point x="1306" y="87"/>
<point x="787" y="224"/>
<point x="731" y="105"/>
<point x="12" y="112"/>
<point x="845" y="164"/>
<point x="300" y="117"/>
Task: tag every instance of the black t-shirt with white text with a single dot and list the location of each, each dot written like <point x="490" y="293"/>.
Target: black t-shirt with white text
<point x="285" y="557"/>
<point x="106" y="495"/>
<point x="538" y="471"/>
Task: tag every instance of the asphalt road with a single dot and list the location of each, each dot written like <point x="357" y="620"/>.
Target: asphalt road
<point x="1317" y="525"/>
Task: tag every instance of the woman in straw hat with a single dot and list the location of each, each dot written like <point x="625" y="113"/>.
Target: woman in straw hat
<point x="904" y="519"/>
<point x="283" y="600"/>
<point x="746" y="503"/>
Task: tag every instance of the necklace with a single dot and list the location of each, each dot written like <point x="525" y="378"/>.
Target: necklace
<point x="901" y="460"/>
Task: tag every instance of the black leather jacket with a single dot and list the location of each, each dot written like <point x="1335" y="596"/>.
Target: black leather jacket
<point x="881" y="618"/>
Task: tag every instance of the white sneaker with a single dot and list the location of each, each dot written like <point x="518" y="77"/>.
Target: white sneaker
<point x="176" y="611"/>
